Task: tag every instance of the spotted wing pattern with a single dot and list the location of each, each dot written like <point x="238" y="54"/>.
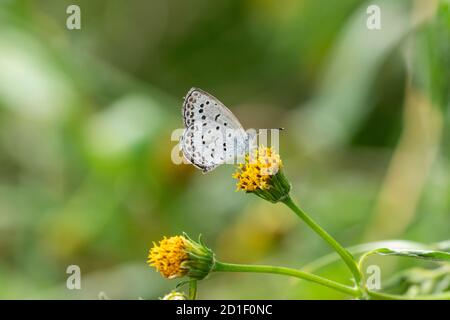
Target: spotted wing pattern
<point x="212" y="135"/>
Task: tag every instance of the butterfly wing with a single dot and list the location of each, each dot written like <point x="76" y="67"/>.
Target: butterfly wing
<point x="212" y="133"/>
<point x="200" y="106"/>
<point x="194" y="147"/>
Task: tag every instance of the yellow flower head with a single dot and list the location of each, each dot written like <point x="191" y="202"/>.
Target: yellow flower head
<point x="261" y="174"/>
<point x="180" y="256"/>
<point x="168" y="257"/>
<point x="258" y="169"/>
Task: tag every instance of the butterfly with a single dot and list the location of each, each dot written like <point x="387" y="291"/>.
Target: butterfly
<point x="212" y="134"/>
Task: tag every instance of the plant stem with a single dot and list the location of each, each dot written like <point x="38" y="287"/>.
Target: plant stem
<point x="345" y="255"/>
<point x="192" y="289"/>
<point x="230" y="267"/>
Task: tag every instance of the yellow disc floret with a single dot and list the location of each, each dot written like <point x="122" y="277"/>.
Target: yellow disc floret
<point x="168" y="257"/>
<point x="258" y="169"/>
<point x="180" y="256"/>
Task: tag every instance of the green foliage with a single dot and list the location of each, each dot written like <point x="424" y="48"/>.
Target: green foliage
<point x="413" y="253"/>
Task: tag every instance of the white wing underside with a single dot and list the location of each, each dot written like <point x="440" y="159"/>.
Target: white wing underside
<point x="212" y="135"/>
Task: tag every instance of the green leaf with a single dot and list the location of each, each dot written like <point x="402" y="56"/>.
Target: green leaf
<point x="432" y="255"/>
<point x="412" y="253"/>
<point x="366" y="247"/>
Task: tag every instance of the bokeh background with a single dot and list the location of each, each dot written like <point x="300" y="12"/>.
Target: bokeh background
<point x="86" y="118"/>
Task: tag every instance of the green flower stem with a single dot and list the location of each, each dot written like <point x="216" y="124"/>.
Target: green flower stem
<point x="345" y="255"/>
<point x="192" y="289"/>
<point x="229" y="267"/>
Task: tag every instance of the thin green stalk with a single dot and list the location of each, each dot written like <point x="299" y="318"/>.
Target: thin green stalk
<point x="345" y="255"/>
<point x="192" y="289"/>
<point x="230" y="267"/>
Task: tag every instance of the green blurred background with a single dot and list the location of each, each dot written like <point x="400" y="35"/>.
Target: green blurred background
<point x="86" y="118"/>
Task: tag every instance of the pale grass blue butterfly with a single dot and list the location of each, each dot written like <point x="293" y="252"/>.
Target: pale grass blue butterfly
<point x="212" y="134"/>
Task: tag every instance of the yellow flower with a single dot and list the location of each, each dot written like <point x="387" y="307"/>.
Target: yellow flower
<point x="257" y="170"/>
<point x="261" y="174"/>
<point x="180" y="256"/>
<point x="168" y="257"/>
